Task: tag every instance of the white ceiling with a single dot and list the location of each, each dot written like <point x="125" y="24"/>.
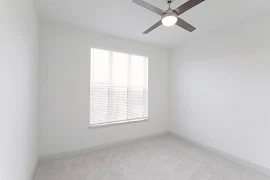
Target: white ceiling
<point x="123" y="18"/>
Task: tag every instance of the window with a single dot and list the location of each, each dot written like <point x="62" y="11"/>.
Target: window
<point x="118" y="87"/>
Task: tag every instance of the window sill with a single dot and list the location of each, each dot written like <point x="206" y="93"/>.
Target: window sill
<point x="118" y="123"/>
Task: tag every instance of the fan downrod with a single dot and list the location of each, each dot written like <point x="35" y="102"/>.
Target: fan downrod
<point x="169" y="3"/>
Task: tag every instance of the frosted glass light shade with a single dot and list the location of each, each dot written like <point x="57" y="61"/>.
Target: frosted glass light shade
<point x="169" y="20"/>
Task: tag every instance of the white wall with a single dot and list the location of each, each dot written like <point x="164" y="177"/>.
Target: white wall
<point x="18" y="89"/>
<point x="64" y="90"/>
<point x="220" y="90"/>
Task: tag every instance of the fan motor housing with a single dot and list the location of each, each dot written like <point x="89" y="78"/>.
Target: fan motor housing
<point x="169" y="12"/>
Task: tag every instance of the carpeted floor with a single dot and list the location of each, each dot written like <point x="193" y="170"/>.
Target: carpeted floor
<point x="164" y="158"/>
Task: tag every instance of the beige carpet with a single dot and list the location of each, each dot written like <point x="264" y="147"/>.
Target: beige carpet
<point x="164" y="158"/>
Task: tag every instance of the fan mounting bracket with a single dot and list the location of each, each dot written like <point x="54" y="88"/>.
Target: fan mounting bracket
<point x="169" y="1"/>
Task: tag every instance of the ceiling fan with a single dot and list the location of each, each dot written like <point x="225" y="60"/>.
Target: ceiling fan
<point x="170" y="16"/>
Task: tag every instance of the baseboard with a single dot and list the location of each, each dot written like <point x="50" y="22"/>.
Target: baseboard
<point x="100" y="147"/>
<point x="230" y="157"/>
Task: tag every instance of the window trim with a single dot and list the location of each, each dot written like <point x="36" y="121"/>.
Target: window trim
<point x="127" y="121"/>
<point x="121" y="122"/>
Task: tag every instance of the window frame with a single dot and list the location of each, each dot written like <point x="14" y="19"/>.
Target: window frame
<point x="125" y="121"/>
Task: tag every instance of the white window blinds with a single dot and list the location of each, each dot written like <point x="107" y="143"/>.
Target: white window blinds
<point x="118" y="87"/>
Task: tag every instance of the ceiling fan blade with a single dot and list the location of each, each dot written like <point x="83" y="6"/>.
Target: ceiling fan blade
<point x="183" y="24"/>
<point x="188" y="5"/>
<point x="153" y="27"/>
<point x="148" y="6"/>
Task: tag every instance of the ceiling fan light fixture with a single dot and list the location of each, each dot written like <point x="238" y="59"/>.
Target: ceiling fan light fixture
<point x="169" y="18"/>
